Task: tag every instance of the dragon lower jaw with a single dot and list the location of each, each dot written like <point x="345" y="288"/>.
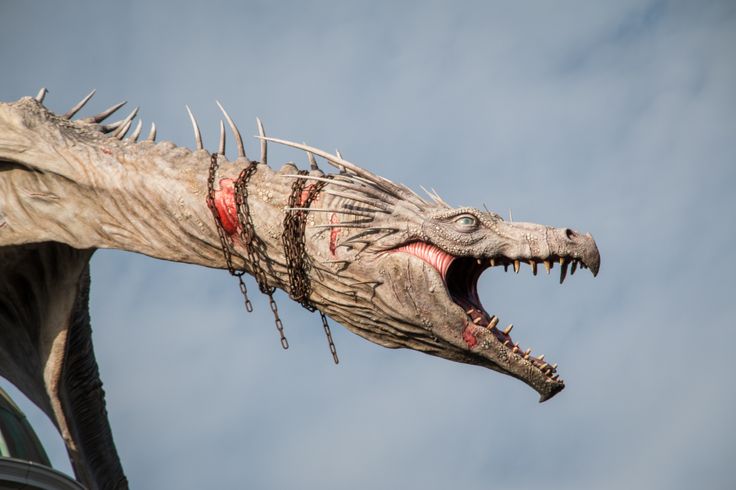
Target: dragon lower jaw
<point x="481" y="332"/>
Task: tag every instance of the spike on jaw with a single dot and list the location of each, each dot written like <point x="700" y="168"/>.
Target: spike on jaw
<point x="70" y="113"/>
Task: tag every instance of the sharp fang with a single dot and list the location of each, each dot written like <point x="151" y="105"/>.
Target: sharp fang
<point x="562" y="260"/>
<point x="544" y="366"/>
<point x="563" y="271"/>
<point x="574" y="266"/>
<point x="471" y="310"/>
<point x="533" y="265"/>
<point x="477" y="320"/>
<point x="493" y="322"/>
<point x="527" y="353"/>
<point x="492" y="262"/>
<point x="548" y="265"/>
<point x="479" y="261"/>
<point x="541" y="357"/>
<point x="554" y="366"/>
<point x="507" y="343"/>
<point x="508" y="329"/>
<point x="515" y="349"/>
<point x="517" y="265"/>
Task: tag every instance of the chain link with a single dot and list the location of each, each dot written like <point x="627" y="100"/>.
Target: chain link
<point x="221" y="232"/>
<point x="297" y="260"/>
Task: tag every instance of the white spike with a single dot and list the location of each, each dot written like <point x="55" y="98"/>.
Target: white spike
<point x="137" y="131"/>
<point x="234" y="129"/>
<point x="264" y="143"/>
<point x="70" y="113"/>
<point x="41" y="95"/>
<point x="152" y="133"/>
<point x="221" y="147"/>
<point x="195" y="127"/>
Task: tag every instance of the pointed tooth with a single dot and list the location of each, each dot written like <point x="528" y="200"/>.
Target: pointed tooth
<point x="547" y="265"/>
<point x="574" y="266"/>
<point x="468" y="312"/>
<point x="137" y="131"/>
<point x="195" y="127"/>
<point x="563" y="271"/>
<point x="477" y="320"/>
<point x="236" y="133"/>
<point x="339" y="155"/>
<point x="541" y="357"/>
<point x="264" y="143"/>
<point x="555" y="377"/>
<point x="492" y="262"/>
<point x="41" y="95"/>
<point x="517" y="265"/>
<point x="533" y="265"/>
<point x="507" y="343"/>
<point x="543" y="366"/>
<point x="221" y="146"/>
<point x="494" y="321"/>
<point x="515" y="349"/>
<point x="554" y="366"/>
<point x="507" y="330"/>
<point x="98" y="118"/>
<point x="70" y="113"/>
<point x="562" y="260"/>
<point x="479" y="261"/>
<point x="527" y="353"/>
<point x="152" y="133"/>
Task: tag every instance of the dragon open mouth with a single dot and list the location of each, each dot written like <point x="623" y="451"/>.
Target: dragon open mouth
<point x="461" y="274"/>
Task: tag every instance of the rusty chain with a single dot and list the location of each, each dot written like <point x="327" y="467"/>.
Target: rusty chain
<point x="297" y="260"/>
<point x="221" y="232"/>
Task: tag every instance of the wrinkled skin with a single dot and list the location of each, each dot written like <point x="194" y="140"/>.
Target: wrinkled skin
<point x="394" y="268"/>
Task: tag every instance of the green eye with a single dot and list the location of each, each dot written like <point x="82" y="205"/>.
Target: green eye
<point x="466" y="221"/>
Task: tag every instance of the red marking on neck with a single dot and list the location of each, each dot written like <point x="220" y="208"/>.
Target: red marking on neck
<point x="469" y="335"/>
<point x="225" y="205"/>
<point x="334" y="232"/>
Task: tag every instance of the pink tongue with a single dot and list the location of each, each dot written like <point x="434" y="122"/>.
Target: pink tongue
<point x="437" y="258"/>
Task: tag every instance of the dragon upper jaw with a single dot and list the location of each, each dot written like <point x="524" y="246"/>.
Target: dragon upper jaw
<point x="482" y="338"/>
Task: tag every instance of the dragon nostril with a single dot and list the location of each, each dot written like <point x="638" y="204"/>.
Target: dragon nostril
<point x="570" y="234"/>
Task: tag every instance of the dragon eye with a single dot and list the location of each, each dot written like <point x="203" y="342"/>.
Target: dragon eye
<point x="466" y="222"/>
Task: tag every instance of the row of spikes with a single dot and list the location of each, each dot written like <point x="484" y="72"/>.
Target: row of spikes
<point x="356" y="173"/>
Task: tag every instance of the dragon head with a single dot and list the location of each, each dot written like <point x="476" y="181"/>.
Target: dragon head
<point x="402" y="271"/>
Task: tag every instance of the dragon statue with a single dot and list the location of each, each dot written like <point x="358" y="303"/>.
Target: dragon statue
<point x="391" y="266"/>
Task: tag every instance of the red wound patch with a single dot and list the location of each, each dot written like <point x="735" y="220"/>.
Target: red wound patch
<point x="225" y="205"/>
<point x="469" y="336"/>
<point x="334" y="232"/>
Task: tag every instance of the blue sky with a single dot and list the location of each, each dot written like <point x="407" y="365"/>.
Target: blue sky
<point x="615" y="118"/>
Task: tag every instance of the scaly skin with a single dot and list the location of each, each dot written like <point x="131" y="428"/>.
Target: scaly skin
<point x="390" y="266"/>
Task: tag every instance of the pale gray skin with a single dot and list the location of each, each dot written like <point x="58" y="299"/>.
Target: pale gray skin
<point x="70" y="187"/>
